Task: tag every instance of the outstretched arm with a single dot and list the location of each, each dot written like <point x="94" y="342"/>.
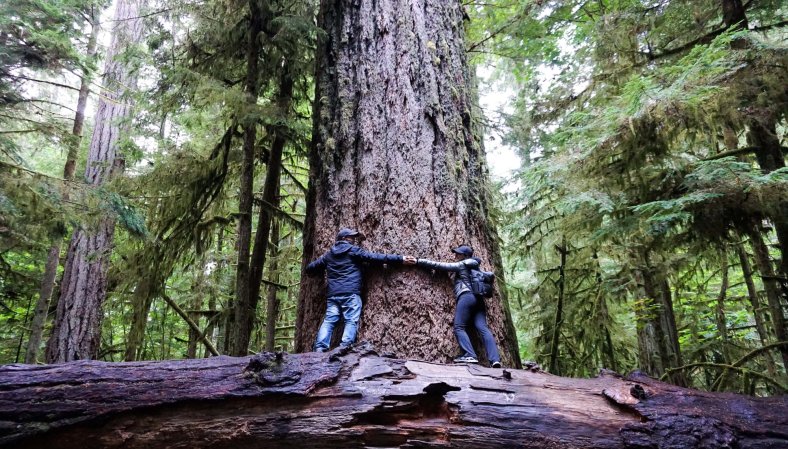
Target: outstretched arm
<point x="378" y="258"/>
<point x="447" y="266"/>
<point x="317" y="266"/>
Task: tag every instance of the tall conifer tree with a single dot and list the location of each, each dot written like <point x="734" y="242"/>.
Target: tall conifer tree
<point x="77" y="329"/>
<point x="397" y="154"/>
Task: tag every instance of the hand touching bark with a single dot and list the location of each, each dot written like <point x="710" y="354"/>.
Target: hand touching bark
<point x="409" y="260"/>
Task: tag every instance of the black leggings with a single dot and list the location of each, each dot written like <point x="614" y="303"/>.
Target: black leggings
<point x="470" y="309"/>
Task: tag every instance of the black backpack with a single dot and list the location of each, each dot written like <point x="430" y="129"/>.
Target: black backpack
<point x="482" y="283"/>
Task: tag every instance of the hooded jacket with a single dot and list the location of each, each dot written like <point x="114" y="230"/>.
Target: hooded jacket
<point x="461" y="271"/>
<point x="342" y="265"/>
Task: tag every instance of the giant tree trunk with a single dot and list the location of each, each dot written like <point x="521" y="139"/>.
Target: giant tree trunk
<point x="53" y="257"/>
<point x="77" y="327"/>
<point x="359" y="399"/>
<point x="396" y="154"/>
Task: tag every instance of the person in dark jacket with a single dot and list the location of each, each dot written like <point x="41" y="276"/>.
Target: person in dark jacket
<point x="342" y="265"/>
<point x="470" y="308"/>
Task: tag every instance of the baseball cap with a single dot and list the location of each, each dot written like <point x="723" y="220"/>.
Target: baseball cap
<point x="347" y="232"/>
<point x="465" y="250"/>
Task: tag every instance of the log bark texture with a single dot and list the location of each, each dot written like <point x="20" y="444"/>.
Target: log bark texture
<point x="360" y="399"/>
<point x="396" y="154"/>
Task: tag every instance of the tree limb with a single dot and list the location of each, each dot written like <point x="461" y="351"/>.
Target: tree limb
<point x="192" y="324"/>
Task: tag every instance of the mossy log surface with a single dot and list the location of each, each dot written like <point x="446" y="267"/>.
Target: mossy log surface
<point x="362" y="399"/>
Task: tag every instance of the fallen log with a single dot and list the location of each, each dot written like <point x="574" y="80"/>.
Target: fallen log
<point x="358" y="398"/>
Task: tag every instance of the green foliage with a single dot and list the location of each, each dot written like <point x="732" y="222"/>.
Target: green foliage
<point x="622" y="109"/>
<point x="188" y="189"/>
<point x="41" y="40"/>
<point x="126" y="214"/>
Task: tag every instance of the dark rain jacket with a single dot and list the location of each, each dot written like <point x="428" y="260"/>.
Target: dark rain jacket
<point x="461" y="271"/>
<point x="342" y="265"/>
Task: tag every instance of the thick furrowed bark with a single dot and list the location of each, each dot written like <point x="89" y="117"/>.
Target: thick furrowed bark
<point x="396" y="155"/>
<point x="359" y="399"/>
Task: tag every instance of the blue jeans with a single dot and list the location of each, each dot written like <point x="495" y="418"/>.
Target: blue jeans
<point x="470" y="309"/>
<point x="350" y="307"/>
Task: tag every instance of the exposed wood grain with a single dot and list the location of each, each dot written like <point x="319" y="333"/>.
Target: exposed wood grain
<point x="359" y="399"/>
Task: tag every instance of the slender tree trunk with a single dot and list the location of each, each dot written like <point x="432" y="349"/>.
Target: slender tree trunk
<point x="658" y="345"/>
<point x="198" y="289"/>
<point x="141" y="301"/>
<point x="214" y="328"/>
<point x="752" y="295"/>
<point x="668" y="317"/>
<point x="763" y="136"/>
<point x="609" y="350"/>
<point x="734" y="14"/>
<point x="82" y="99"/>
<point x="21" y="334"/>
<point x="42" y="305"/>
<point x="211" y="329"/>
<point x="397" y="154"/>
<point x="272" y="301"/>
<point x="603" y="318"/>
<point x="243" y="300"/>
<point x="53" y="257"/>
<point x="650" y="335"/>
<point x="77" y="328"/>
<point x="559" y="308"/>
<point x="722" y="326"/>
<point x="755" y="305"/>
<point x="764" y="264"/>
<point x="245" y="317"/>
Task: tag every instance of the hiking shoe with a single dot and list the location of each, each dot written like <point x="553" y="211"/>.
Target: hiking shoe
<point x="465" y="359"/>
<point x="495" y="364"/>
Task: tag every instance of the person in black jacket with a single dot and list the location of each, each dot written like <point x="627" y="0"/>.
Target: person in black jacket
<point x="342" y="265"/>
<point x="470" y="308"/>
